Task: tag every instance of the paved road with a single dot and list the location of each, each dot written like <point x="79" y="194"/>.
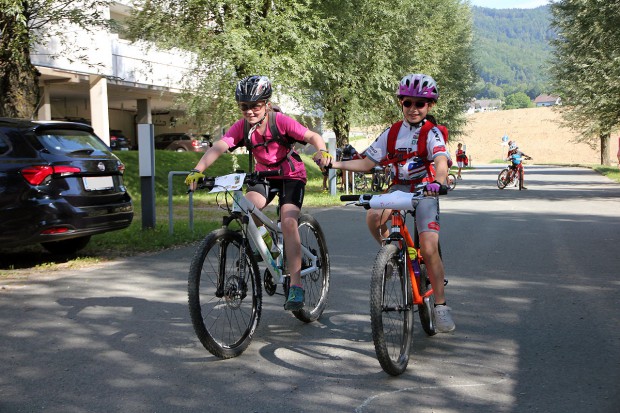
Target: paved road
<point x="533" y="283"/>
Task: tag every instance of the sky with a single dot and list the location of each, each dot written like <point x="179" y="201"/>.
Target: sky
<point x="509" y="4"/>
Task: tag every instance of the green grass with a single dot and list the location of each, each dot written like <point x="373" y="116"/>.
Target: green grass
<point x="207" y="215"/>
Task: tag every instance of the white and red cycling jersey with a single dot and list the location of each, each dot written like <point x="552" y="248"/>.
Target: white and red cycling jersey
<point x="415" y="170"/>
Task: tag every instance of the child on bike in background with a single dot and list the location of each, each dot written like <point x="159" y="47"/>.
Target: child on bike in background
<point x="515" y="156"/>
<point x="253" y="96"/>
<point x="461" y="158"/>
<point x="417" y="94"/>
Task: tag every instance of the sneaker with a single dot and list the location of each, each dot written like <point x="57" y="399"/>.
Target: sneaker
<point x="295" y="299"/>
<point x="443" y="319"/>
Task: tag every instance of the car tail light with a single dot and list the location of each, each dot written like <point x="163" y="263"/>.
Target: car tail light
<point x="57" y="230"/>
<point x="35" y="175"/>
<point x="196" y="144"/>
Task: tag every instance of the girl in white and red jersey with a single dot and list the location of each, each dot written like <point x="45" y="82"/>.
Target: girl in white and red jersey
<point x="271" y="153"/>
<point x="417" y="162"/>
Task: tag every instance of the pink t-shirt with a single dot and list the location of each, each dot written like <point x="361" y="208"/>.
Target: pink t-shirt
<point x="293" y="167"/>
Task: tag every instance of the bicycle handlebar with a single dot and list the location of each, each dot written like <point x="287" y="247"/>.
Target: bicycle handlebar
<point x="394" y="200"/>
<point x="253" y="178"/>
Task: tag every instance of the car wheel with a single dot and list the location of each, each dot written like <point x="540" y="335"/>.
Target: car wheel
<point x="180" y="149"/>
<point x="66" y="247"/>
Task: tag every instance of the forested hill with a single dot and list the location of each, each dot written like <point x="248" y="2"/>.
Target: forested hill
<point x="511" y="49"/>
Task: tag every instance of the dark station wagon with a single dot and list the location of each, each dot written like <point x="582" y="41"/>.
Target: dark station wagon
<point x="59" y="185"/>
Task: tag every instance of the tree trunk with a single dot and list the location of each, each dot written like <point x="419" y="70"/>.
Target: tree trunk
<point x="605" y="149"/>
<point x="19" y="79"/>
<point x="341" y="122"/>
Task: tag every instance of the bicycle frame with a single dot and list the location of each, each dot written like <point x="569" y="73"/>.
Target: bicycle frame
<point x="413" y="266"/>
<point x="244" y="207"/>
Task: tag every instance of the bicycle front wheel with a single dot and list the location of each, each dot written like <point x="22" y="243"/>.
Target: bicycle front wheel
<point x="520" y="178"/>
<point x="224" y="294"/>
<point x="503" y="179"/>
<point x="315" y="283"/>
<point x="451" y="181"/>
<point x="391" y="315"/>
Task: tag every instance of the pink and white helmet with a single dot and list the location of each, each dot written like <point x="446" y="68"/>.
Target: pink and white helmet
<point x="418" y="86"/>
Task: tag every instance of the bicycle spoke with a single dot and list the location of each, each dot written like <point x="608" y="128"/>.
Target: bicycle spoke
<point x="224" y="294"/>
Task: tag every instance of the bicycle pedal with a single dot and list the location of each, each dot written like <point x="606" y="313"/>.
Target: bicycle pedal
<point x="445" y="282"/>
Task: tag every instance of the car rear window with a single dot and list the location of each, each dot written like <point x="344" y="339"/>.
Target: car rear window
<point x="67" y="141"/>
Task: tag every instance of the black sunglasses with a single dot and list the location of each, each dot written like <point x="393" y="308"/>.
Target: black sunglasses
<point x="251" y="106"/>
<point x="418" y="103"/>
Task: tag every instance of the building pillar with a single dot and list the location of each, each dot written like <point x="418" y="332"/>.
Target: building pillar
<point x="99" y="116"/>
<point x="45" y="110"/>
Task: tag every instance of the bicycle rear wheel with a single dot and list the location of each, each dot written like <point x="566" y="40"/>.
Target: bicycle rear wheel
<point x="224" y="294"/>
<point x="425" y="311"/>
<point x="391" y="315"/>
<point x="316" y="283"/>
<point x="451" y="182"/>
<point x="503" y="179"/>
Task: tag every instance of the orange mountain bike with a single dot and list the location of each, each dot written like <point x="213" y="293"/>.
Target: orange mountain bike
<point x="399" y="283"/>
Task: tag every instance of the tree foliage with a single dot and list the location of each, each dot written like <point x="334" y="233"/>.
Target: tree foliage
<point x="586" y="69"/>
<point x="24" y="24"/>
<point x="343" y="58"/>
<point x="232" y="39"/>
<point x="518" y="100"/>
<point x="380" y="42"/>
<point x="511" y="50"/>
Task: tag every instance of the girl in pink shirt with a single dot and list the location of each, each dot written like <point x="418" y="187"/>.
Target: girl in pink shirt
<point x="252" y="95"/>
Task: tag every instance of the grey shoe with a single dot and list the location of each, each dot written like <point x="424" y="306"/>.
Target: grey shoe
<point x="443" y="319"/>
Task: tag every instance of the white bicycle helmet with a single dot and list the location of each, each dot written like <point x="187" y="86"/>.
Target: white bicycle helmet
<point x="418" y="86"/>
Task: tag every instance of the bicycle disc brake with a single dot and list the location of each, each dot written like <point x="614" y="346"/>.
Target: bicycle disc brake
<point x="269" y="283"/>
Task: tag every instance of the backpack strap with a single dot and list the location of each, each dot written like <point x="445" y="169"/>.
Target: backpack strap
<point x="397" y="157"/>
<point x="283" y="140"/>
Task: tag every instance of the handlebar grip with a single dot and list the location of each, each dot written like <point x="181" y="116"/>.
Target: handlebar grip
<point x="265" y="174"/>
<point x="205" y="183"/>
<point x="349" y="198"/>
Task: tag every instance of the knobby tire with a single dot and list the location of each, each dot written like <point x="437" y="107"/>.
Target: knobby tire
<point x="224" y="299"/>
<point x="391" y="313"/>
<point x="315" y="284"/>
<point x="426" y="317"/>
<point x="503" y="179"/>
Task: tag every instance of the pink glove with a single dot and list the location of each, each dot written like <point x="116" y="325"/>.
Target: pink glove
<point x="432" y="187"/>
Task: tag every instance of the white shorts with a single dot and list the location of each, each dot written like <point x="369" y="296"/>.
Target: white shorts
<point x="461" y="164"/>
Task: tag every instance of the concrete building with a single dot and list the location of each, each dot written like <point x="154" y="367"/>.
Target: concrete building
<point x="116" y="84"/>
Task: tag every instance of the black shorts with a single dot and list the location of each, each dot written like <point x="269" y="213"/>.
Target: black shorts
<point x="289" y="191"/>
